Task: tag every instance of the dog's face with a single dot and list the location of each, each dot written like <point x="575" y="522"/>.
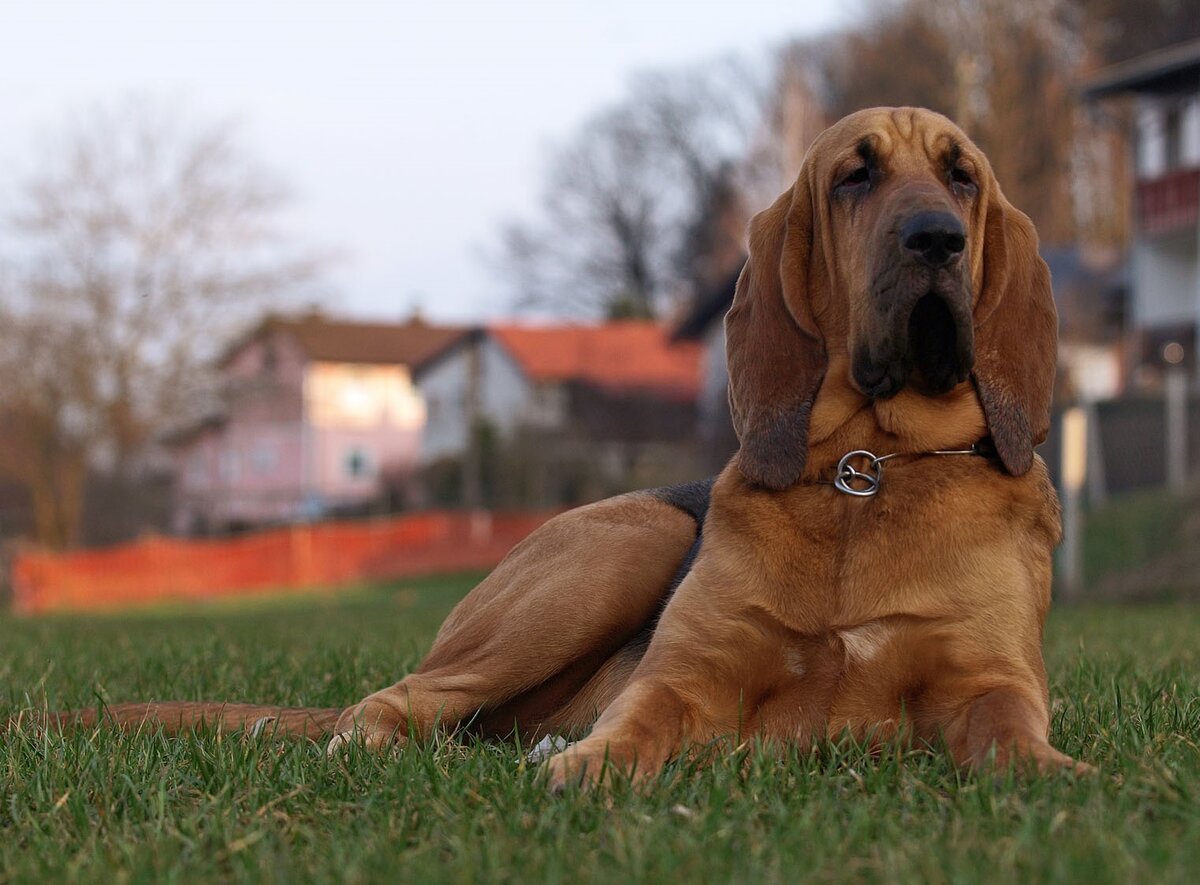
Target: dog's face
<point x="899" y="192"/>
<point x="895" y="249"/>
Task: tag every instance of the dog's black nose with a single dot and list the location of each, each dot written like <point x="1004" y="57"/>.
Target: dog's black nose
<point x="934" y="238"/>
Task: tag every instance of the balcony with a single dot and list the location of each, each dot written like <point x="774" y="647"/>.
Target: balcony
<point x="1169" y="203"/>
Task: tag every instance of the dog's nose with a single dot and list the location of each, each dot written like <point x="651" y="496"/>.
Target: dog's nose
<point x="934" y="238"/>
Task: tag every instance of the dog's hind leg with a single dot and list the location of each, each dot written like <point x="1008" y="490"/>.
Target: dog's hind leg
<point x="561" y="606"/>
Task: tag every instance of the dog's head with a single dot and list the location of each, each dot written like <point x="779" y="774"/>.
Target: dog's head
<point x="896" y="249"/>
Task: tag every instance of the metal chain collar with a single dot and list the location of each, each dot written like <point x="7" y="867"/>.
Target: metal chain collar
<point x="852" y="481"/>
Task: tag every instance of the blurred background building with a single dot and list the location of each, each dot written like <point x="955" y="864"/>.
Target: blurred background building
<point x="313" y="414"/>
<point x="1165" y="249"/>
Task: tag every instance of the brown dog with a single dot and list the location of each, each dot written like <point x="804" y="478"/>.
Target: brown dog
<point x="893" y="302"/>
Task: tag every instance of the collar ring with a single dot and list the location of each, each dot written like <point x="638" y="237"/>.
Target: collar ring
<point x="852" y="481"/>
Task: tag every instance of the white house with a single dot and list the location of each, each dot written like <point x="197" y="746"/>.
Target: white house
<point x="1165" y="304"/>
<point x="580" y="405"/>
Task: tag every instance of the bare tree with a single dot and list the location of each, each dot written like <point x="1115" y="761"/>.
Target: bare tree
<point x="795" y="114"/>
<point x="1118" y="30"/>
<point x="136" y="244"/>
<point x="597" y="247"/>
<point x="1018" y="69"/>
<point x="904" y="56"/>
<point x="627" y="201"/>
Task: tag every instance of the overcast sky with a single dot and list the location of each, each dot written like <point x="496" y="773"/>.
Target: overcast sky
<point x="408" y="130"/>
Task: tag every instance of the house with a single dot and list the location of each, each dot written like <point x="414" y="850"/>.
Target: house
<point x="565" y="413"/>
<point x="1165" y="276"/>
<point x="315" y="414"/>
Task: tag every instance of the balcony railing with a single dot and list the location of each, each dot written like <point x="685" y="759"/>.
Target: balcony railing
<point x="1170" y="202"/>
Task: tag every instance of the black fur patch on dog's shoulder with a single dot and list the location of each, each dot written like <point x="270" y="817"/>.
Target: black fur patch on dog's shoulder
<point x="693" y="499"/>
<point x="690" y="497"/>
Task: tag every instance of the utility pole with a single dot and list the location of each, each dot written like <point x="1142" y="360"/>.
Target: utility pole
<point x="472" y="463"/>
<point x="1176" y="389"/>
<point x="1074" y="475"/>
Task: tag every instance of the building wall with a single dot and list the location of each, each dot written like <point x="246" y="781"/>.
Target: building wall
<point x="347" y="464"/>
<point x="197" y="474"/>
<point x="1190" y="153"/>
<point x="248" y="469"/>
<point x="260" y="471"/>
<point x="362" y="420"/>
<point x="506" y="399"/>
<point x="1166" y="280"/>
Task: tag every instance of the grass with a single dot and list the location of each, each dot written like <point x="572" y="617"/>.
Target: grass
<point x="99" y="806"/>
<point x="1134" y="531"/>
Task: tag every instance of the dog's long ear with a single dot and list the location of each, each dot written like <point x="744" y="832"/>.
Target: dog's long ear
<point x="775" y="352"/>
<point x="1016" y="335"/>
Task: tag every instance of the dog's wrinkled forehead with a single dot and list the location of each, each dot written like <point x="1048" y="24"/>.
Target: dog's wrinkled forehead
<point x="904" y="138"/>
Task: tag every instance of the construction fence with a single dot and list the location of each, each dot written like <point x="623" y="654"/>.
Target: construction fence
<point x="160" y="569"/>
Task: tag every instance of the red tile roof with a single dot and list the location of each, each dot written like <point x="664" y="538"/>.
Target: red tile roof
<point x="617" y="355"/>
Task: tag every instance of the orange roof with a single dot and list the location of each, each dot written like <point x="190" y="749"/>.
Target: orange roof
<point x="617" y="355"/>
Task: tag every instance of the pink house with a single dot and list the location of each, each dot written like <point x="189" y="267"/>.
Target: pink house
<point x="315" y="413"/>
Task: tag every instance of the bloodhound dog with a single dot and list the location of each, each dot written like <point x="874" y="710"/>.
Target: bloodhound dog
<point x="876" y="559"/>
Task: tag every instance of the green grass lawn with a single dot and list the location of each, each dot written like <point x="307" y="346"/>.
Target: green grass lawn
<point x="109" y="807"/>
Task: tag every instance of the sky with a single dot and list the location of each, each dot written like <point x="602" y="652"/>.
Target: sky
<point x="408" y="131"/>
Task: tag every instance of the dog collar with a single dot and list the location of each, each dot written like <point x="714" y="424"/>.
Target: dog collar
<point x="865" y="483"/>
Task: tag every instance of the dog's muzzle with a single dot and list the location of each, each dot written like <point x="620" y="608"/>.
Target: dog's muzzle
<point x="918" y="326"/>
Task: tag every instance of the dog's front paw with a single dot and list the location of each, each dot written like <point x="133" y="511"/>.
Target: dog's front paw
<point x="380" y="722"/>
<point x="584" y="765"/>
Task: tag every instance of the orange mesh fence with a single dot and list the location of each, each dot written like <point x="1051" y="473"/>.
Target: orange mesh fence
<point x="160" y="569"/>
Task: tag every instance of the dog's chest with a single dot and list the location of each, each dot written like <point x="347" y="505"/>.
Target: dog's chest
<point x="924" y="547"/>
<point x="856" y="677"/>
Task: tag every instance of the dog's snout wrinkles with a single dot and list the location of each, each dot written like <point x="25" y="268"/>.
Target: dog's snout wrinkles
<point x="933" y="238"/>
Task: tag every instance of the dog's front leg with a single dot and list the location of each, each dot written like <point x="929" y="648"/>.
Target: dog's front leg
<point x="1003" y="727"/>
<point x="702" y="679"/>
<point x="642" y="729"/>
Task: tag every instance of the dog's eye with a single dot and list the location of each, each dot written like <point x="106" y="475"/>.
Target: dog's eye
<point x="961" y="178"/>
<point x="855" y="178"/>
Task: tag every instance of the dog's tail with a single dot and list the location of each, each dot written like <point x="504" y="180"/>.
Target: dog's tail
<point x="175" y="717"/>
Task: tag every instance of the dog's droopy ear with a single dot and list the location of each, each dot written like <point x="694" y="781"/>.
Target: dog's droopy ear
<point x="1016" y="336"/>
<point x="775" y="352"/>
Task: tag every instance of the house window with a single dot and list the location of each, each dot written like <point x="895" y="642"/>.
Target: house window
<point x="355" y="396"/>
<point x="230" y="466"/>
<point x="358" y="464"/>
<point x="263" y="459"/>
<point x="197" y="469"/>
